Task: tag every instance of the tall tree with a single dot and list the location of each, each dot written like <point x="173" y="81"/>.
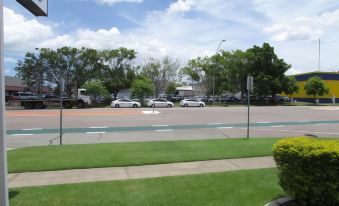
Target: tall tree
<point x="32" y="71"/>
<point x="117" y="72"/>
<point x="268" y="70"/>
<point x="161" y="72"/>
<point x="315" y="87"/>
<point x="171" y="88"/>
<point x="199" y="71"/>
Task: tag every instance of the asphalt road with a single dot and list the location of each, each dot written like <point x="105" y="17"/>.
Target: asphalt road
<point x="39" y="127"/>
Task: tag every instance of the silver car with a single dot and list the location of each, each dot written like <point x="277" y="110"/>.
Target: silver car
<point x="159" y="103"/>
<point x="125" y="103"/>
<point x="191" y="103"/>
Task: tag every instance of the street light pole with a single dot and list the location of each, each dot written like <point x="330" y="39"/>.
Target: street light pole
<point x="214" y="71"/>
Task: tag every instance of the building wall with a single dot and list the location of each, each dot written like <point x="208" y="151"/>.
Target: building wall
<point x="330" y="79"/>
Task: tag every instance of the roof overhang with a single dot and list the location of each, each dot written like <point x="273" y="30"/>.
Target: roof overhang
<point x="36" y="7"/>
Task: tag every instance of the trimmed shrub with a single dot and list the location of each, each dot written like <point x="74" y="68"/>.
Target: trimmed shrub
<point x="309" y="170"/>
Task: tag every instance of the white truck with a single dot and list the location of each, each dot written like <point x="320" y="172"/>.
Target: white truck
<point x="35" y="102"/>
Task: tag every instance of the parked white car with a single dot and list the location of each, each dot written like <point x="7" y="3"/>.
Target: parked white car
<point x="125" y="103"/>
<point x="159" y="103"/>
<point x="191" y="103"/>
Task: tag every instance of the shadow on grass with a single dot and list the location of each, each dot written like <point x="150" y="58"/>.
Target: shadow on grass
<point x="12" y="194"/>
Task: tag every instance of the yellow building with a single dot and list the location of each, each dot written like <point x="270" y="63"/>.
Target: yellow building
<point x="330" y="79"/>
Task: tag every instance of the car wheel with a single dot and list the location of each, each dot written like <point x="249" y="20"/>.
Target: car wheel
<point x="201" y="105"/>
<point x="135" y="106"/>
<point x="186" y="105"/>
<point x="152" y="105"/>
<point x="169" y="105"/>
<point x="117" y="106"/>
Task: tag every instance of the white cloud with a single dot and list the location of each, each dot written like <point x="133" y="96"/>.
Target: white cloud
<point x="22" y="34"/>
<point x="305" y="27"/>
<point x="111" y="2"/>
<point x="180" y="6"/>
<point x="99" y="39"/>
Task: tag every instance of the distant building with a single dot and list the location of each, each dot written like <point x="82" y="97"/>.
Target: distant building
<point x="188" y="91"/>
<point x="14" y="85"/>
<point x="330" y="79"/>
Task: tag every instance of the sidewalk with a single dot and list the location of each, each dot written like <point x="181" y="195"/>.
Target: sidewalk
<point x="136" y="172"/>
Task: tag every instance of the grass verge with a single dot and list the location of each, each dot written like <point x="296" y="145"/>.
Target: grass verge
<point x="241" y="188"/>
<point x="49" y="158"/>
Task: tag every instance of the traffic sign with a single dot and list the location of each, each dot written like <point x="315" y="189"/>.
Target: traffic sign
<point x="36" y="7"/>
<point x="249" y="83"/>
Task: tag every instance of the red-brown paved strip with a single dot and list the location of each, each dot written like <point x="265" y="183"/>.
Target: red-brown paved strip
<point x="70" y="113"/>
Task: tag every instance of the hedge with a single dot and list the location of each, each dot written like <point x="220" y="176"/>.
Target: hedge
<point x="309" y="170"/>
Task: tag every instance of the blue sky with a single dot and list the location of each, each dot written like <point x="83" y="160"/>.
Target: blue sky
<point x="182" y="29"/>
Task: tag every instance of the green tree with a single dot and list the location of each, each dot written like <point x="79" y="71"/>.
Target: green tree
<point x="95" y="88"/>
<point x="290" y="86"/>
<point x="199" y="71"/>
<point x="315" y="87"/>
<point x="161" y="72"/>
<point x="117" y="70"/>
<point x="141" y="87"/>
<point x="171" y="88"/>
<point x="267" y="69"/>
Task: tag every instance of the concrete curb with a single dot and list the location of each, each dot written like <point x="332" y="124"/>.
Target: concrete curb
<point x="281" y="201"/>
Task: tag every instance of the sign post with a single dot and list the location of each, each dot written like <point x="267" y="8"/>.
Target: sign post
<point x="62" y="89"/>
<point x="249" y="89"/>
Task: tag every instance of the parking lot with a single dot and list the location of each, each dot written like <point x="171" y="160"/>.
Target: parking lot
<point x="82" y="126"/>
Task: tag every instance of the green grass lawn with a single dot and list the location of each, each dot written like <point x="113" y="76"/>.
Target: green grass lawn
<point x="241" y="188"/>
<point x="127" y="154"/>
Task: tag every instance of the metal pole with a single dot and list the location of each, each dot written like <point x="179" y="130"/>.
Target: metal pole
<point x="248" y="113"/>
<point x="61" y="90"/>
<point x="214" y="71"/>
<point x="3" y="146"/>
<point x="319" y="57"/>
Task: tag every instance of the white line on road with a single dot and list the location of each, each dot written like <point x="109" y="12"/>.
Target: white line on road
<point x="297" y="131"/>
<point x="214" y="123"/>
<point x="160" y="125"/>
<point x="303" y="121"/>
<point x="32" y="129"/>
<point x="278" y="126"/>
<point x="95" y="132"/>
<point x="105" y="127"/>
<point x="164" y="130"/>
<point x="263" y="122"/>
<point x="321" y="124"/>
<point x="21" y="134"/>
<point x="150" y="112"/>
<point x="225" y="127"/>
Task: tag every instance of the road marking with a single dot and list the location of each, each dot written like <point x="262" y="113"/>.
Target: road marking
<point x="32" y="129"/>
<point x="164" y="130"/>
<point x="263" y="122"/>
<point x="150" y="112"/>
<point x="297" y="131"/>
<point x="160" y="125"/>
<point x="225" y="127"/>
<point x="95" y="132"/>
<point x="22" y="134"/>
<point x="214" y="123"/>
<point x="278" y="126"/>
<point x="322" y="124"/>
<point x="105" y="127"/>
<point x="303" y="121"/>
